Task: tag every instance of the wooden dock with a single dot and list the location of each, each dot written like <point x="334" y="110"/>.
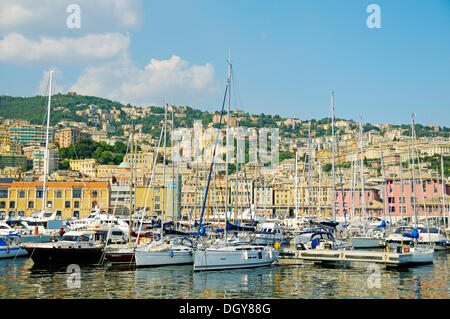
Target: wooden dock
<point x="388" y="259"/>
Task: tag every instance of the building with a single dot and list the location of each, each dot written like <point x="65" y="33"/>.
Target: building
<point x="70" y="135"/>
<point x="14" y="161"/>
<point x="30" y="134"/>
<point x="86" y="166"/>
<point x="68" y="199"/>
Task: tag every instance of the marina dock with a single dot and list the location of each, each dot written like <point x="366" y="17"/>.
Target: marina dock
<point x="389" y="259"/>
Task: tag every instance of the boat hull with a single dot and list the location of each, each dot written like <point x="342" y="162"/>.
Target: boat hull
<point x="119" y="258"/>
<point x="219" y="259"/>
<point x="79" y="256"/>
<point x="145" y="258"/>
<point x="12" y="252"/>
<point x="368" y="242"/>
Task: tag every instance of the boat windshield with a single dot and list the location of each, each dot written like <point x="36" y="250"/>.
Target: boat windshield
<point x="69" y="238"/>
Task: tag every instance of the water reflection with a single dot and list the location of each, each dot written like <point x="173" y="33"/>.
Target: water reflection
<point x="21" y="279"/>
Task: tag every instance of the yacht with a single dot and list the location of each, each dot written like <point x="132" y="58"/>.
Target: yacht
<point x="74" y="247"/>
<point x="269" y="234"/>
<point x="10" y="247"/>
<point x="218" y="257"/>
<point x="164" y="252"/>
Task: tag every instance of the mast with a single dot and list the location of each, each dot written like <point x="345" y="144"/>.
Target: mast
<point x="402" y="201"/>
<point x="309" y="170"/>
<point x="131" y="185"/>
<point x="46" y="159"/>
<point x="413" y="170"/>
<point x="296" y="185"/>
<point x="362" y="197"/>
<point x="443" y="193"/>
<point x="164" y="195"/>
<point x="226" y="148"/>
<point x="332" y="155"/>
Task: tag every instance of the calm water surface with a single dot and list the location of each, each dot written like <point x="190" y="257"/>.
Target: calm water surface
<point x="289" y="279"/>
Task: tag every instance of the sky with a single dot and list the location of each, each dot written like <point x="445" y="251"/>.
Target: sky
<point x="287" y="56"/>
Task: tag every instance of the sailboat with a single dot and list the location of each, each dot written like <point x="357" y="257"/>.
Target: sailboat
<point x="372" y="237"/>
<point x="166" y="251"/>
<point x="224" y="254"/>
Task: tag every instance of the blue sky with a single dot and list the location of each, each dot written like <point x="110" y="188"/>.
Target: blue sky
<point x="287" y="55"/>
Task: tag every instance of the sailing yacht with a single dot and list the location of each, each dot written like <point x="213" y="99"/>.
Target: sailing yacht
<point x="166" y="251"/>
<point x="224" y="254"/>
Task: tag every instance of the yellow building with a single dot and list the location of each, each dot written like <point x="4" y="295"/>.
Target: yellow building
<point x="68" y="199"/>
<point x="86" y="166"/>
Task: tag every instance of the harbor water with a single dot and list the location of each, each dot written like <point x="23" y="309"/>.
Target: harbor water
<point x="289" y="279"/>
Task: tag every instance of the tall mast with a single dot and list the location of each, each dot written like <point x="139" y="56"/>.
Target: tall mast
<point x="413" y="170"/>
<point x="227" y="145"/>
<point x="46" y="158"/>
<point x="309" y="170"/>
<point x="362" y="197"/>
<point x="332" y="155"/>
<point x="443" y="193"/>
<point x="164" y="195"/>
<point x="296" y="185"/>
<point x="131" y="185"/>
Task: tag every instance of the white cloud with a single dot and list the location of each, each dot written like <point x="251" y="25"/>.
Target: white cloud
<point x="16" y="48"/>
<point x="173" y="80"/>
<point x="31" y="17"/>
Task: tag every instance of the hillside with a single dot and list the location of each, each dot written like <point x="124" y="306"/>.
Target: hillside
<point x="66" y="107"/>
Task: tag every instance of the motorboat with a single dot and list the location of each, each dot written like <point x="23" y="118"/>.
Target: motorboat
<point x="10" y="247"/>
<point x="269" y="234"/>
<point x="74" y="247"/>
<point x="318" y="239"/>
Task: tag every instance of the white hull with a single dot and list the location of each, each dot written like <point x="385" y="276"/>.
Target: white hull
<point x="367" y="242"/>
<point x="234" y="257"/>
<point x="145" y="258"/>
<point x="419" y="256"/>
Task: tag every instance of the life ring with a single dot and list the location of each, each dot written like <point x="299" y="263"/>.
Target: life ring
<point x="276" y="245"/>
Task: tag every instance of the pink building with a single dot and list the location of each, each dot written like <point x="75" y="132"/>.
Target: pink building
<point x="373" y="201"/>
<point x="401" y="195"/>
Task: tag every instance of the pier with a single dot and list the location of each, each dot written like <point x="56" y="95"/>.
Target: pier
<point x="389" y="259"/>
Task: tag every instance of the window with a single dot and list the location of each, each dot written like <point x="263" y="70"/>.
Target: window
<point x="12" y="204"/>
<point x="11" y="214"/>
<point x="3" y="193"/>
<point x="2" y="204"/>
<point x="95" y="194"/>
<point x="76" y="204"/>
<point x="76" y="213"/>
<point x="58" y="213"/>
<point x="30" y="204"/>
<point x="22" y="194"/>
<point x="39" y="193"/>
<point x="67" y="204"/>
<point x="49" y="204"/>
<point x="76" y="193"/>
<point x="2" y="214"/>
<point x="58" y="194"/>
<point x="21" y="213"/>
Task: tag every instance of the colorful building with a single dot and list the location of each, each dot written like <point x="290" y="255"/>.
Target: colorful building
<point x="68" y="199"/>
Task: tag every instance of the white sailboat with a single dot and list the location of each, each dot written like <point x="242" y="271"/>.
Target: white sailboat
<point x="368" y="238"/>
<point x="225" y="255"/>
<point x="165" y="251"/>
